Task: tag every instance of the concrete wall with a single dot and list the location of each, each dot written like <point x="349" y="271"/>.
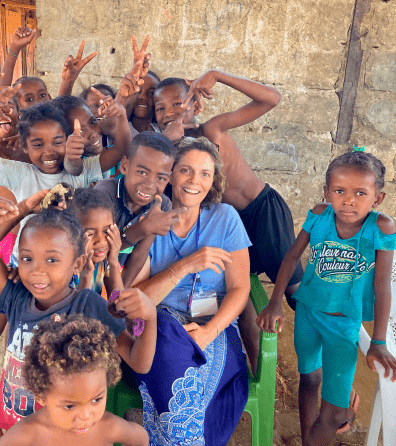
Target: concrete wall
<point x="298" y="46"/>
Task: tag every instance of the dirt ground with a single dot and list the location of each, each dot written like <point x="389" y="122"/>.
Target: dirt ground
<point x="286" y="425"/>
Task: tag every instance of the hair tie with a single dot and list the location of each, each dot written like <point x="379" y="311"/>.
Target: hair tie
<point x="358" y="149"/>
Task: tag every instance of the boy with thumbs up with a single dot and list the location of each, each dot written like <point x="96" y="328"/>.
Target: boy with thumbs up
<point x="146" y="169"/>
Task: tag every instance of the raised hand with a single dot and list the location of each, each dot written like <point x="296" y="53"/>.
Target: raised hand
<point x="131" y="82"/>
<point x="175" y="130"/>
<point x="5" y="110"/>
<point x="138" y="55"/>
<point x="109" y="107"/>
<point x="8" y="210"/>
<point x="201" y="86"/>
<point x="21" y="38"/>
<point x="159" y="222"/>
<point x="75" y="143"/>
<point x="73" y="66"/>
<point x="114" y="239"/>
<point x="31" y="205"/>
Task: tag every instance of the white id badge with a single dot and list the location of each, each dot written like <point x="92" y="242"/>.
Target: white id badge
<point x="204" y="304"/>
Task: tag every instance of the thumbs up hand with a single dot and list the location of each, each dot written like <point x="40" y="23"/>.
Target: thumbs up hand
<point x="74" y="143"/>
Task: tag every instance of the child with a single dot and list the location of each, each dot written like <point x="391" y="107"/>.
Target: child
<point x="50" y="252"/>
<point x="265" y="215"/>
<point x="102" y="241"/>
<point x="86" y="139"/>
<point x="350" y="262"/>
<point x="70" y="379"/>
<point x="146" y="169"/>
<point x="33" y="91"/>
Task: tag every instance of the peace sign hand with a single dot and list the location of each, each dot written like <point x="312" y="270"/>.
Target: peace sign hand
<point x="175" y="130"/>
<point x="73" y="66"/>
<point x="131" y="82"/>
<point x="201" y="86"/>
<point x="109" y="107"/>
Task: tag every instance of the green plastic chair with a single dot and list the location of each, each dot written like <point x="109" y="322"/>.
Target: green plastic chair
<point x="261" y="400"/>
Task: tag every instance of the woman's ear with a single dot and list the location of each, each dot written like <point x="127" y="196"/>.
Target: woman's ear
<point x="379" y="199"/>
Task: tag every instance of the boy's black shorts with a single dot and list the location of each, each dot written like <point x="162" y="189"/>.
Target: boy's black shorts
<point x="269" y="224"/>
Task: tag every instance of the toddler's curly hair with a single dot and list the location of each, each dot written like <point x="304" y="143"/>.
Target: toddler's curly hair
<point x="68" y="344"/>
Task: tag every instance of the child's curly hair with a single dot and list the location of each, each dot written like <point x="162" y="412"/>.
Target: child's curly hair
<point x="68" y="344"/>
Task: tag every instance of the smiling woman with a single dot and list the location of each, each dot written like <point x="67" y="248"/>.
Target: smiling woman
<point x="198" y="275"/>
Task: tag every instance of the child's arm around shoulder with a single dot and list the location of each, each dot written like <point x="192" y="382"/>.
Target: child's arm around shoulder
<point x="273" y="313"/>
<point x="122" y="431"/>
<point x="264" y="98"/>
<point x="383" y="297"/>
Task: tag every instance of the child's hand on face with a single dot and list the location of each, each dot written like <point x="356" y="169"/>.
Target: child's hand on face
<point x="22" y="37"/>
<point x="109" y="107"/>
<point x="89" y="266"/>
<point x="75" y="143"/>
<point x="381" y="354"/>
<point x="159" y="222"/>
<point x="268" y="318"/>
<point x="131" y="82"/>
<point x="73" y="66"/>
<point x="175" y="130"/>
<point x="201" y="86"/>
<point x="136" y="304"/>
<point x="114" y="239"/>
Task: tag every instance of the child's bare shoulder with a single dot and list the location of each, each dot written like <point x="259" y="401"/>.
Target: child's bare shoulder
<point x="320" y="208"/>
<point x="385" y="224"/>
<point x="23" y="433"/>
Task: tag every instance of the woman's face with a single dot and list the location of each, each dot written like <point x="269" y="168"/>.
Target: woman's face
<point x="192" y="178"/>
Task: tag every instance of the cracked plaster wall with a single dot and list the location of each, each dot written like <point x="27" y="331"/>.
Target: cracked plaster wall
<point x="298" y="46"/>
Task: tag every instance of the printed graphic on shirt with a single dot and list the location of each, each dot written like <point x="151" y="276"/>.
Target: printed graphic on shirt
<point x="335" y="262"/>
<point x="16" y="401"/>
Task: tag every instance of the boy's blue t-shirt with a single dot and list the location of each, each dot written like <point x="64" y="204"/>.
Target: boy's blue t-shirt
<point x="336" y="280"/>
<point x="18" y="304"/>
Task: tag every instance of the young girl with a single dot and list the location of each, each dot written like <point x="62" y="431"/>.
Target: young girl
<point x="347" y="280"/>
<point x="102" y="241"/>
<point x="33" y="91"/>
<point x="50" y="252"/>
<point x="70" y="379"/>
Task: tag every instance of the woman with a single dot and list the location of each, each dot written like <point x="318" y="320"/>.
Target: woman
<point x="197" y="388"/>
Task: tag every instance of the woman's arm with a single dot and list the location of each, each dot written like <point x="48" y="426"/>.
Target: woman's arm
<point x="237" y="278"/>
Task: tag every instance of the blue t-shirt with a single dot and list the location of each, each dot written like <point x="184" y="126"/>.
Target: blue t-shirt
<point x="336" y="280"/>
<point x="220" y="227"/>
<point x="19" y="306"/>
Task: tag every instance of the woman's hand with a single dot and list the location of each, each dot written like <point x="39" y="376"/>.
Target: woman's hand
<point x="203" y="335"/>
<point x="381" y="354"/>
<point x="206" y="257"/>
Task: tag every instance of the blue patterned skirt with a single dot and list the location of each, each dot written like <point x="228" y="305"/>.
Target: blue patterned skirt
<point x="191" y="397"/>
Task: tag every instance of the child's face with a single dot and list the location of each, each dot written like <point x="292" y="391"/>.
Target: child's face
<point x="145" y="103"/>
<point x="168" y="103"/>
<point x="96" y="223"/>
<point x="76" y="402"/>
<point x="146" y="175"/>
<point x="31" y="93"/>
<point x="90" y="130"/>
<point x="352" y="193"/>
<point x="46" y="146"/>
<point x="9" y="129"/>
<point x="47" y="263"/>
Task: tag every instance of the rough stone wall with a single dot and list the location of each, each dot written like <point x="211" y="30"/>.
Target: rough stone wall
<point x="298" y="46"/>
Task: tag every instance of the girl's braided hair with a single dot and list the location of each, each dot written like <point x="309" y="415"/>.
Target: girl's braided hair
<point x="67" y="344"/>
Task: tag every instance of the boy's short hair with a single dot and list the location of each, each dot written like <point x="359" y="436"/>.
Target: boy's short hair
<point x="174" y="81"/>
<point x="68" y="103"/>
<point x="67" y="344"/>
<point x="154" y="140"/>
<point x="46" y="111"/>
<point x="86" y="199"/>
<point x="202" y="144"/>
<point x="62" y="220"/>
<point x="103" y="88"/>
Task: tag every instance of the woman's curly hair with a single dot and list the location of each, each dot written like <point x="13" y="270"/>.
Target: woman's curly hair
<point x="216" y="191"/>
<point x="68" y="344"/>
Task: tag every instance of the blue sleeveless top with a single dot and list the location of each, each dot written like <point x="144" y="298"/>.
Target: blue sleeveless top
<point x="336" y="280"/>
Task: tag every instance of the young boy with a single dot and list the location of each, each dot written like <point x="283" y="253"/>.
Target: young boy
<point x="266" y="216"/>
<point x="146" y="169"/>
